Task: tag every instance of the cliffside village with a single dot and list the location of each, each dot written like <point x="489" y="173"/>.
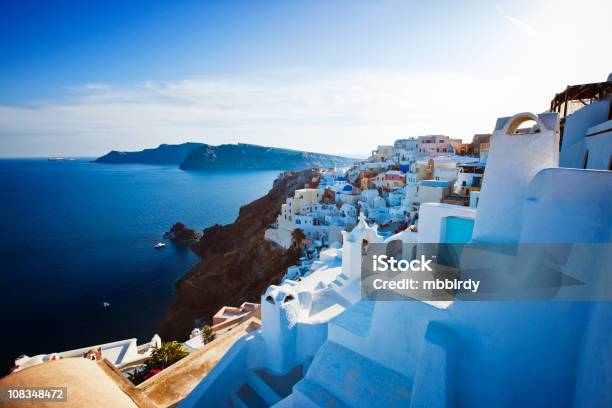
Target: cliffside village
<point x="388" y="188"/>
<point x="314" y="341"/>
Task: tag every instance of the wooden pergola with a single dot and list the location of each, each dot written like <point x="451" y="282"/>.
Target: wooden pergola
<point x="583" y="94"/>
<point x="578" y="96"/>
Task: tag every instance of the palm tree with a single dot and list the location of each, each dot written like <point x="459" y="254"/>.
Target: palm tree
<point x="208" y="334"/>
<point x="298" y="236"/>
<point x="168" y="354"/>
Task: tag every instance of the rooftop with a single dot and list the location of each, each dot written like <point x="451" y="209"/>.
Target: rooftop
<point x="87" y="384"/>
<point x="434" y="183"/>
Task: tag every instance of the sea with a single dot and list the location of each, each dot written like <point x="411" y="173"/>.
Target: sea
<point x="76" y="234"/>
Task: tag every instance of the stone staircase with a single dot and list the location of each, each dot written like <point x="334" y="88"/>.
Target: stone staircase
<point x="340" y="281"/>
<point x="356" y="320"/>
<point x="264" y="389"/>
<point x="340" y="377"/>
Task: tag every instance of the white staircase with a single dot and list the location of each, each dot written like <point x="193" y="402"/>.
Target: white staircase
<point x="356" y="320"/>
<point x="339" y="377"/>
<point x="264" y="389"/>
<point x="340" y="281"/>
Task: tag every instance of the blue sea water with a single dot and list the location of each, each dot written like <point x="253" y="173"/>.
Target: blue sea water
<point x="75" y="234"/>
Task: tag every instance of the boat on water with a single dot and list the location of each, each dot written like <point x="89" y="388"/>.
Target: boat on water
<point x="60" y="159"/>
<point x="159" y="245"/>
<point x="106" y="305"/>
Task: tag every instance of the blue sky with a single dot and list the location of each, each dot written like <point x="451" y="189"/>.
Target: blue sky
<point x="81" y="78"/>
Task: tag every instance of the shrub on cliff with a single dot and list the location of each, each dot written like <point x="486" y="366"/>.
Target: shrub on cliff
<point x="208" y="334"/>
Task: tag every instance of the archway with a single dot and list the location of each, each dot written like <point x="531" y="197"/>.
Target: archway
<point x="523" y="123"/>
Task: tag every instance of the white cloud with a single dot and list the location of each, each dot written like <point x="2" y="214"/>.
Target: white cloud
<point x="341" y="112"/>
<point x="516" y="61"/>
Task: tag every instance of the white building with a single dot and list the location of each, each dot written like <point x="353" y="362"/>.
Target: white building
<point x="445" y="170"/>
<point x="504" y="179"/>
<point x="286" y="221"/>
<point x="348" y="194"/>
<point x="405" y="150"/>
<point x="469" y="179"/>
<point x="119" y="353"/>
<point x="382" y="154"/>
<point x="431" y="191"/>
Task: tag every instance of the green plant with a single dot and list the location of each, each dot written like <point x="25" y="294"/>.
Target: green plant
<point x="208" y="334"/>
<point x="137" y="376"/>
<point x="162" y="357"/>
<point x="168" y="354"/>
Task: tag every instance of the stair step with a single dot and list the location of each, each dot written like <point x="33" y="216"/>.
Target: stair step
<point x="339" y="376"/>
<point x="328" y="304"/>
<point x="236" y="402"/>
<point x="357" y="319"/>
<point x="338" y="283"/>
<point x="286" y="402"/>
<point x="248" y="397"/>
<point x="263" y="389"/>
<point x="281" y="385"/>
<point x="308" y="394"/>
<point x="343" y="276"/>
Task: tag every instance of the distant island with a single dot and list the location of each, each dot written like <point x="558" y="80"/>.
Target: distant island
<point x="200" y="156"/>
<point x="163" y="154"/>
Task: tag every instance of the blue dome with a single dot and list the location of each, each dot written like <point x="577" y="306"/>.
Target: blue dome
<point x="348" y="187"/>
<point x="341" y="178"/>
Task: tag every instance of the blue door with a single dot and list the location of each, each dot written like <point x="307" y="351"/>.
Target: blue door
<point x="458" y="230"/>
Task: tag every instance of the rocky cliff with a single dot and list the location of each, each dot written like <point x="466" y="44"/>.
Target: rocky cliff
<point x="163" y="154"/>
<point x="199" y="156"/>
<point x="181" y="233"/>
<point x="247" y="156"/>
<point x="237" y="263"/>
